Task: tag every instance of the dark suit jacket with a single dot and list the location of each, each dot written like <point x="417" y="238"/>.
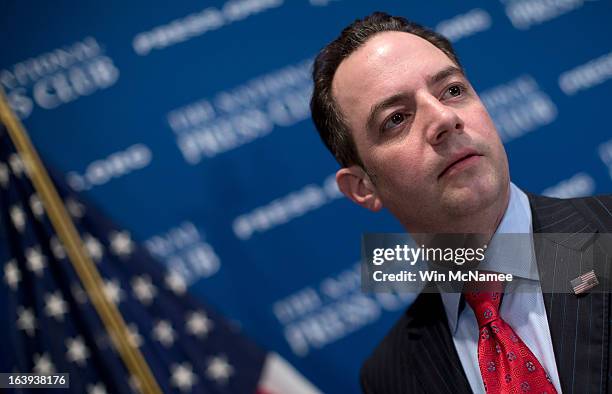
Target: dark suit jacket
<point x="418" y="354"/>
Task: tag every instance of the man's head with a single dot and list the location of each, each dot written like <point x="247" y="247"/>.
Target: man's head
<point x="393" y="105"/>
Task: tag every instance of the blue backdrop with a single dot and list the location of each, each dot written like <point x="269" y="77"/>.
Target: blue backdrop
<point x="188" y="124"/>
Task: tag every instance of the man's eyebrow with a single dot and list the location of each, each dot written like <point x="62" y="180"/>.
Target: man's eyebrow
<point x="382" y="105"/>
<point x="392" y="100"/>
<point x="445" y="73"/>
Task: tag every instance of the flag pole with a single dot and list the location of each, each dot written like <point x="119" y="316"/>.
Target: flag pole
<point x="70" y="238"/>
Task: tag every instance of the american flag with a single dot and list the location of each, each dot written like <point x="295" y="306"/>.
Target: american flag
<point x="50" y="325"/>
<point x="584" y="282"/>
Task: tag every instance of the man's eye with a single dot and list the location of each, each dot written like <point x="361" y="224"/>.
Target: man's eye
<point x="395" y="120"/>
<point x="454" y="91"/>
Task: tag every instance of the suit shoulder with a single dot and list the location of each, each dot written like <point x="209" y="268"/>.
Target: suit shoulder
<point x="387" y="349"/>
<point x="391" y="357"/>
<point x="543" y="200"/>
<point x="598" y="209"/>
<point x="602" y="200"/>
<point x="572" y="214"/>
<point x="377" y="370"/>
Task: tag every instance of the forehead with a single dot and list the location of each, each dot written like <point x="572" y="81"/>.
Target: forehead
<point x="385" y="63"/>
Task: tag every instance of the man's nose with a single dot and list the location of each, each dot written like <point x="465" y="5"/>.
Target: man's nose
<point x="440" y="119"/>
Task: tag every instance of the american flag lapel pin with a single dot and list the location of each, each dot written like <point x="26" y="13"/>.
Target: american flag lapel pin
<point x="584" y="282"/>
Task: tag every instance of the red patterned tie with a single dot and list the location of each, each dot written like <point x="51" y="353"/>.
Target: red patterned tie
<point x="506" y="363"/>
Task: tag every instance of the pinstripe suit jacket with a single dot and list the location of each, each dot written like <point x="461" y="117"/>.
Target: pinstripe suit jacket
<point x="418" y="354"/>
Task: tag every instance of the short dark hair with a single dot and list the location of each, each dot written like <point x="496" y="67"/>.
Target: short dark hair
<point x="325" y="112"/>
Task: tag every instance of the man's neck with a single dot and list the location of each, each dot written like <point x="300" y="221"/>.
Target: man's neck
<point x="482" y="224"/>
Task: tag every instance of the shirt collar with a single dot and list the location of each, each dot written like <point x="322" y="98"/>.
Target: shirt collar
<point x="507" y="254"/>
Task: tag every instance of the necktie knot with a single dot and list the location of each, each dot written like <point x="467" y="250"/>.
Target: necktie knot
<point x="484" y="298"/>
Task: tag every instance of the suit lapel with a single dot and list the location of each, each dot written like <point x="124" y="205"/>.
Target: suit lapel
<point x="579" y="325"/>
<point x="432" y="353"/>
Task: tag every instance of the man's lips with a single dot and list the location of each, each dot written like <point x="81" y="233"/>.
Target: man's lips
<point x="460" y="161"/>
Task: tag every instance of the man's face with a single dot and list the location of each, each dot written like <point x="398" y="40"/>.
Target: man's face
<point x="421" y="131"/>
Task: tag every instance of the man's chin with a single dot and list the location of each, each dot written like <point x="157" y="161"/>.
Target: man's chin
<point x="470" y="198"/>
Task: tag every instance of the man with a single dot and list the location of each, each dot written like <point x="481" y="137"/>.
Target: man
<point x="392" y="103"/>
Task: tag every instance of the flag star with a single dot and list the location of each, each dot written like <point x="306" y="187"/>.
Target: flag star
<point x="103" y="340"/>
<point x="4" y="175"/>
<point x="26" y="321"/>
<point x="77" y="351"/>
<point x="219" y="369"/>
<point x="198" y="324"/>
<point x="121" y="243"/>
<point x="57" y="248"/>
<point x="18" y="217"/>
<point x="93" y="247"/>
<point x="134" y="383"/>
<point x="76" y="209"/>
<point x="164" y="333"/>
<point x="12" y="275"/>
<point x="36" y="206"/>
<point x="183" y="376"/>
<point x="55" y="306"/>
<point x="98" y="388"/>
<point x="43" y="365"/>
<point x="143" y="289"/>
<point x="78" y="293"/>
<point x="176" y="283"/>
<point x="36" y="262"/>
<point x="16" y="164"/>
<point x="133" y="335"/>
<point x="113" y="291"/>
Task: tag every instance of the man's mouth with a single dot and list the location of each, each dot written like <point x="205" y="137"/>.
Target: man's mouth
<point x="460" y="162"/>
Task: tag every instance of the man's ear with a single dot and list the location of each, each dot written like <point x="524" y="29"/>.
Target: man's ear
<point x="354" y="183"/>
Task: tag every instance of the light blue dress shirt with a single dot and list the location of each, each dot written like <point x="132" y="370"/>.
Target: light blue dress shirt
<point x="522" y="305"/>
